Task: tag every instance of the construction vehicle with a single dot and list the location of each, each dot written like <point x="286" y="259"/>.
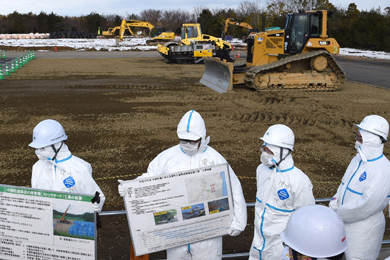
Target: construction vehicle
<point x="62" y="219"/>
<point x="194" y="46"/>
<point x="156" y="33"/>
<point x="297" y="57"/>
<point x="230" y="21"/>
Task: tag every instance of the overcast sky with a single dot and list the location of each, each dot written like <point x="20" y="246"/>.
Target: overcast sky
<point x="127" y="7"/>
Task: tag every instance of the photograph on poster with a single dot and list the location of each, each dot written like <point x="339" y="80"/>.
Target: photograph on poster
<point x="193" y="211"/>
<point x="73" y="221"/>
<point x="165" y="217"/>
<point x="217" y="206"/>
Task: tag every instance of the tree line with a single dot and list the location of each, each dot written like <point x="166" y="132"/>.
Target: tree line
<point x="369" y="29"/>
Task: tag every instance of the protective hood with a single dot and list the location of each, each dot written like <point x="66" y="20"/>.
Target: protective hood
<point x="191" y="126"/>
<point x="372" y="146"/>
<point x="286" y="163"/>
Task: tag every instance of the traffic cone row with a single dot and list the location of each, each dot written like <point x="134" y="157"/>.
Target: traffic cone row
<point x="15" y="63"/>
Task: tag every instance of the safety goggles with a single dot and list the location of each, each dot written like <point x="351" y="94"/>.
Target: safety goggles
<point x="183" y="141"/>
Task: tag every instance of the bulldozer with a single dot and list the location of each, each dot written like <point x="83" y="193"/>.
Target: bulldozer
<point x="194" y="46"/>
<point x="298" y="57"/>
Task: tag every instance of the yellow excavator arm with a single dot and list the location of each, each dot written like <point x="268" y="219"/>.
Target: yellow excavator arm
<point x="230" y="21"/>
<point x="132" y="23"/>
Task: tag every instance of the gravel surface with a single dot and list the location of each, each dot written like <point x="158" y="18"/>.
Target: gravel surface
<point x="119" y="113"/>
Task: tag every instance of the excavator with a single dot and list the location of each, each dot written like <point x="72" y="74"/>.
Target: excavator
<point x="298" y="57"/>
<point x="230" y="21"/>
<point x="194" y="46"/>
<point x="156" y="33"/>
<point x="63" y="220"/>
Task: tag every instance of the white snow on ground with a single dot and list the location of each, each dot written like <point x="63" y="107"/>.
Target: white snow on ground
<point x="129" y="44"/>
<point x="368" y="54"/>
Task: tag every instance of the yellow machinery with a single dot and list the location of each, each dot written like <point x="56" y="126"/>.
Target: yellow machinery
<point x="194" y="46"/>
<point x="297" y="57"/>
<point x="156" y="33"/>
<point x="230" y="21"/>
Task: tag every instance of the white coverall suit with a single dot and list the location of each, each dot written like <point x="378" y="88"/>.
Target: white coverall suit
<point x="280" y="191"/>
<point x="67" y="173"/>
<point x="174" y="160"/>
<point x="360" y="200"/>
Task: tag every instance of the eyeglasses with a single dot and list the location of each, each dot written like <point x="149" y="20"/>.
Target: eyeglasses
<point x="298" y="255"/>
<point x="359" y="138"/>
<point x="266" y="149"/>
<point x="183" y="141"/>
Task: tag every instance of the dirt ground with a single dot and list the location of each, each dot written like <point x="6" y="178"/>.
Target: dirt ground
<point x="120" y="113"/>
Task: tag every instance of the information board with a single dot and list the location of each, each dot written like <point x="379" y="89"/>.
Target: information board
<point x="39" y="224"/>
<point x="177" y="209"/>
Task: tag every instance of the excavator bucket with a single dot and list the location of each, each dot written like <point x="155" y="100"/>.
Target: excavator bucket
<point x="218" y="75"/>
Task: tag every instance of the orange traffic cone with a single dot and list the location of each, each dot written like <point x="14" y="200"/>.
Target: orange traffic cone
<point x="55" y="48"/>
<point x="238" y="54"/>
<point x="133" y="257"/>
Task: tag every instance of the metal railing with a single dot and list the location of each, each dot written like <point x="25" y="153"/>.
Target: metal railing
<point x="248" y="205"/>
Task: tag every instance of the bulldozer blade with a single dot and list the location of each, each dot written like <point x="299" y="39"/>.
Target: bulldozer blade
<point x="218" y="75"/>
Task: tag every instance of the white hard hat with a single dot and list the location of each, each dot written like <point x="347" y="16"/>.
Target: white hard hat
<point x="191" y="126"/>
<point x="315" y="231"/>
<point x="279" y="135"/>
<point x="376" y="125"/>
<point x="46" y="133"/>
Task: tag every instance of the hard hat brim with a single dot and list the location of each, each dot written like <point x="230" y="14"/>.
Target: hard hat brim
<point x="188" y="136"/>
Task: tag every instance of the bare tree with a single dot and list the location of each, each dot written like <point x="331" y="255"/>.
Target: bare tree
<point x="252" y="11"/>
<point x="152" y="16"/>
<point x="197" y="11"/>
<point x="173" y="19"/>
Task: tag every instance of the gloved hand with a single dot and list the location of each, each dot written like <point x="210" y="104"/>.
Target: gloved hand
<point x="96" y="201"/>
<point x="333" y="204"/>
<point x="121" y="188"/>
<point x="234" y="232"/>
<point x="95" y="207"/>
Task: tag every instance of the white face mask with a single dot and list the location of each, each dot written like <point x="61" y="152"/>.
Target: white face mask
<point x="357" y="144"/>
<point x="44" y="153"/>
<point x="190" y="149"/>
<point x="266" y="159"/>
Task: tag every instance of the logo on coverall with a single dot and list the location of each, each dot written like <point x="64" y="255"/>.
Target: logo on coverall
<point x="283" y="194"/>
<point x="363" y="177"/>
<point x="69" y="182"/>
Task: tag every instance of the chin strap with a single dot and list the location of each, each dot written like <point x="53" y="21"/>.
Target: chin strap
<point x="56" y="151"/>
<point x="281" y="159"/>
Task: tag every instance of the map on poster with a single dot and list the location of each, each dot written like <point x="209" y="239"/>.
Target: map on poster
<point x="40" y="224"/>
<point x="177" y="209"/>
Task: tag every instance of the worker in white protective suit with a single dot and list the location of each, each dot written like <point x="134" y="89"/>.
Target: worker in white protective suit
<point x="314" y="232"/>
<point x="282" y="188"/>
<point x="364" y="191"/>
<point x="57" y="168"/>
<point x="193" y="152"/>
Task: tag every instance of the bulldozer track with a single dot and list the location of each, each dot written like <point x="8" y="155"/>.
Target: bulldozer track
<point x="291" y="120"/>
<point x="253" y="71"/>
